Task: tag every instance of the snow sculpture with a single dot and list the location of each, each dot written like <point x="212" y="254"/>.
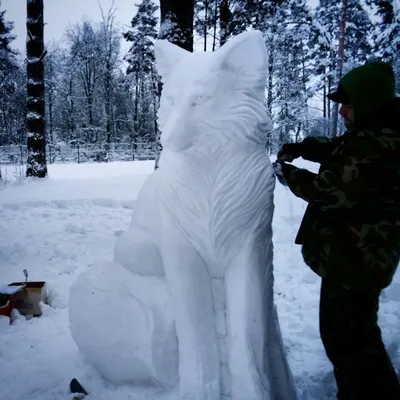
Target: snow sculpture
<point x="187" y="303"/>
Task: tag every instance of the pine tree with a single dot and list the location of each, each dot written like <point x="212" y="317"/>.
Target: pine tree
<point x="6" y="37"/>
<point x="325" y="43"/>
<point x="387" y="33"/>
<point x="357" y="48"/>
<point x="142" y="35"/>
<point x="7" y="55"/>
<point x="291" y="71"/>
<point x="10" y="83"/>
<point x="177" y="22"/>
<point x="141" y="61"/>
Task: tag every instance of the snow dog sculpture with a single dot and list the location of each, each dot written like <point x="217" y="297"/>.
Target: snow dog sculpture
<point x="187" y="305"/>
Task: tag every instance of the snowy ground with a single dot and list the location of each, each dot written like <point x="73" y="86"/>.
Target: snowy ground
<point x="60" y="226"/>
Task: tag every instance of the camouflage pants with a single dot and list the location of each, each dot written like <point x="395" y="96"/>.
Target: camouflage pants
<point x="352" y="340"/>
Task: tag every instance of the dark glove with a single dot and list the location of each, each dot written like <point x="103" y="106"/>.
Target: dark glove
<point x="289" y="152"/>
<point x="283" y="171"/>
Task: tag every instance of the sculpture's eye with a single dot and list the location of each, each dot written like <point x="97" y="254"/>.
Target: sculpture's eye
<point x="200" y="99"/>
<point x="170" y="100"/>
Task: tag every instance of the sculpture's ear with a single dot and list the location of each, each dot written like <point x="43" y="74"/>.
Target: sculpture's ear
<point x="167" y="56"/>
<point x="246" y="55"/>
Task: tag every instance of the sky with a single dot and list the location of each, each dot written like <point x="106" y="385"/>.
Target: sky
<point x="58" y="14"/>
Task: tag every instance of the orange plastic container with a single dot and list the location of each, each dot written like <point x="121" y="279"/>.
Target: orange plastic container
<point x="6" y="309"/>
<point x="6" y="298"/>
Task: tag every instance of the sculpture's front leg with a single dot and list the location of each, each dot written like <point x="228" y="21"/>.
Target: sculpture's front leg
<point x="247" y="287"/>
<point x="189" y="283"/>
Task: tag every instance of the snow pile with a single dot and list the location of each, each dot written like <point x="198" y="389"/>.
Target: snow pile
<point x="188" y="300"/>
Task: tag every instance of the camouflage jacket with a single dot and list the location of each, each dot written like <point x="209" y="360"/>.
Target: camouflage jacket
<point x="351" y="229"/>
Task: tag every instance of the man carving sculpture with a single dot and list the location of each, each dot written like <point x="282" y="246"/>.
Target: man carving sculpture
<point x="350" y="233"/>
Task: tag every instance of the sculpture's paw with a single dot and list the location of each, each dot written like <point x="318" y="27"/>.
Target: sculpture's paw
<point x="122" y="324"/>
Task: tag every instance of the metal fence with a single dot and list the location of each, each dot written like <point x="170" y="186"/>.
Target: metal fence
<point x="82" y="153"/>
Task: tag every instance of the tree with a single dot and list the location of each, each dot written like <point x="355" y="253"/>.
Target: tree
<point x="110" y="46"/>
<point x="12" y="82"/>
<point x="237" y="15"/>
<point x="225" y="21"/>
<point x="339" y="71"/>
<point x="6" y="37"/>
<point x="94" y="57"/>
<point x="141" y="68"/>
<point x="177" y="22"/>
<point x="67" y="120"/>
<point x="387" y="33"/>
<point x="206" y="20"/>
<point x="290" y="69"/>
<point x="324" y="43"/>
<point x="85" y="56"/>
<point x="142" y="35"/>
<point x="50" y="89"/>
<point x="35" y="119"/>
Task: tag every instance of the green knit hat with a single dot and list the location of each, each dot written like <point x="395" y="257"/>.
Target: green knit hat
<point x="368" y="88"/>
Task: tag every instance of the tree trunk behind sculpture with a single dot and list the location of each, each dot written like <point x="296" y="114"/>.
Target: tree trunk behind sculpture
<point x="177" y="22"/>
<point x="35" y="118"/>
<point x="224" y="21"/>
<point x="177" y="19"/>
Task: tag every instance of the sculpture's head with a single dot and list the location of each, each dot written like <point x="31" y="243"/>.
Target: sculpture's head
<point x="215" y="96"/>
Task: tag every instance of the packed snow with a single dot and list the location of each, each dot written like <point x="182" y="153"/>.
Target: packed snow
<point x="194" y="269"/>
<point x="62" y="226"/>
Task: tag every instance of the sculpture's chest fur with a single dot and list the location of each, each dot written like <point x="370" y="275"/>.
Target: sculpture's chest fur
<point x="219" y="191"/>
